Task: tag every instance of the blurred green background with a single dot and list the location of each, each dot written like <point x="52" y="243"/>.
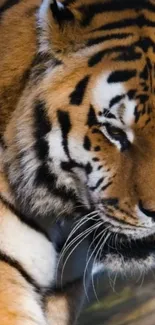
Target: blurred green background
<point x="121" y="301"/>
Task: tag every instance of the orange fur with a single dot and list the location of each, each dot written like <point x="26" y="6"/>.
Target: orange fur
<point x="39" y="78"/>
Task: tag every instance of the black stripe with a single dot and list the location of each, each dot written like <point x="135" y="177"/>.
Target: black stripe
<point x="61" y="15"/>
<point x="91" y="10"/>
<point x="137" y="114"/>
<point x="65" y="125"/>
<point x="97" y="184"/>
<point x="108" y="114"/>
<point x="44" y="177"/>
<point x="145" y="43"/>
<point x="42" y="127"/>
<point x="29" y="222"/>
<point x="121" y="75"/>
<point x="129" y="56"/>
<point x="144" y="74"/>
<point x="106" y="186"/>
<point x="141" y="21"/>
<point x="150" y="68"/>
<point x="7" y="5"/>
<point x="87" y="143"/>
<point x="15" y="264"/>
<point x="91" y="118"/>
<point x="97" y="40"/>
<point x="96" y="58"/>
<point x="76" y="97"/>
<point x="97" y="148"/>
<point x="132" y="93"/>
<point x="69" y="165"/>
<point x="143" y="98"/>
<point x="116" y="100"/>
<point x="88" y="168"/>
<point x="40" y="64"/>
<point x="2" y="143"/>
<point x="148" y="121"/>
<point x="112" y="201"/>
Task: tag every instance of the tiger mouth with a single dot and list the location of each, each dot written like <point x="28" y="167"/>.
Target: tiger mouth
<point x="128" y="248"/>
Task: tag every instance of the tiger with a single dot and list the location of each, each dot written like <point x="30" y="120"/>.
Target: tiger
<point x="29" y="292"/>
<point x="77" y="121"/>
<point x="28" y="270"/>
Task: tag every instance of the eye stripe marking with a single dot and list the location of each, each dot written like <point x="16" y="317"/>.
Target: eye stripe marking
<point x="116" y="100"/>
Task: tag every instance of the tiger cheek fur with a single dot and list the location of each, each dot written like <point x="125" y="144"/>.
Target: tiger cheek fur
<point x="83" y="130"/>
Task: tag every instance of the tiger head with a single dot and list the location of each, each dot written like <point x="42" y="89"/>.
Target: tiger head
<point x="83" y="133"/>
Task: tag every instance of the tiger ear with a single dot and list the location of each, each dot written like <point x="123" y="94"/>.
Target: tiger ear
<point x="57" y="27"/>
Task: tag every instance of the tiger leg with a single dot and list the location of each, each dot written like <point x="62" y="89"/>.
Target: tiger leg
<point x="20" y="304"/>
<point x="64" y="306"/>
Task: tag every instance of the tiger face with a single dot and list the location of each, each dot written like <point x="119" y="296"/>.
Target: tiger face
<point x="83" y="133"/>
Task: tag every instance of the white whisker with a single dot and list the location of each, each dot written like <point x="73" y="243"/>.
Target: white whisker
<point x="89" y="260"/>
<point x="79" y="242"/>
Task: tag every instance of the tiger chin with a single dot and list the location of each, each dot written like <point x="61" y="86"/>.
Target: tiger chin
<point x="82" y="134"/>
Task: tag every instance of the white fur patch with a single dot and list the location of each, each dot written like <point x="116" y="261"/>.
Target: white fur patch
<point x="30" y="306"/>
<point x="117" y="264"/>
<point x="128" y="116"/>
<point x="60" y="5"/>
<point x="43" y="24"/>
<point x="144" y="220"/>
<point x="130" y="135"/>
<point x="30" y="248"/>
<point x="97" y="268"/>
<point x="103" y="92"/>
<point x="44" y="8"/>
<point x="54" y="139"/>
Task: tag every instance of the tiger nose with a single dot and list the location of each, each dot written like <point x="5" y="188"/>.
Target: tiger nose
<point x="147" y="212"/>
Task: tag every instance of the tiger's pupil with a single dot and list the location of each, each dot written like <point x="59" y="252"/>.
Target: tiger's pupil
<point x="115" y="132"/>
<point x="118" y="135"/>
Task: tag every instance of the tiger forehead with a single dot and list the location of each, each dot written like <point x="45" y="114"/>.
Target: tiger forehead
<point x="105" y="61"/>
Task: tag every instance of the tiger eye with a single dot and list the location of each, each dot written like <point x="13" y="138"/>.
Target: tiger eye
<point x="114" y="132"/>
